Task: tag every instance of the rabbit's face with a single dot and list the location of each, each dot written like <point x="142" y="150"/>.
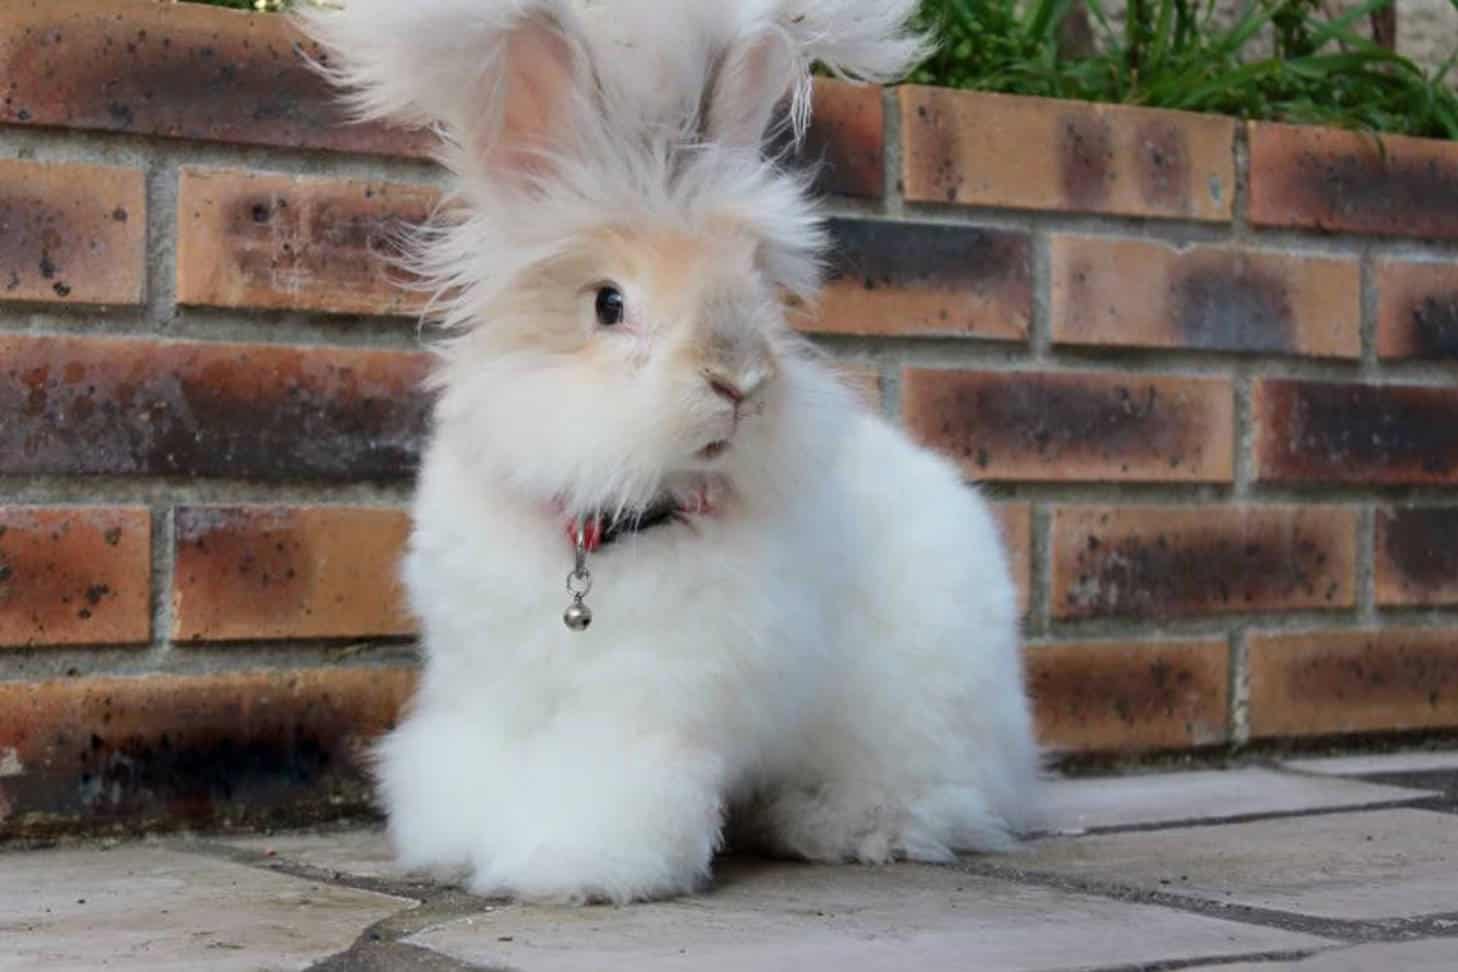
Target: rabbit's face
<point x="689" y="320"/>
<point x="633" y="355"/>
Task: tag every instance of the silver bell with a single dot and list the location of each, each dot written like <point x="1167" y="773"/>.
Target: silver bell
<point x="577" y="616"/>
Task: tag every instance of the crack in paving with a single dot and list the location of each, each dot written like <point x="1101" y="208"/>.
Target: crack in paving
<point x="1209" y="962"/>
<point x="380" y="947"/>
<point x="1415" y="802"/>
<point x="1347" y="930"/>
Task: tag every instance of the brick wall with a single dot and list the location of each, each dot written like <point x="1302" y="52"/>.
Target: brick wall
<point x="1205" y="368"/>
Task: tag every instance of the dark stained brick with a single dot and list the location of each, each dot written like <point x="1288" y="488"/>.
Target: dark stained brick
<point x="1108" y="696"/>
<point x="1317" y="432"/>
<point x="185" y="751"/>
<point x="1219" y="298"/>
<point x="981" y="149"/>
<point x="72" y="234"/>
<point x="845" y="143"/>
<point x="180" y="70"/>
<point x="1417" y="310"/>
<point x="1160" y="562"/>
<point x="75" y="575"/>
<point x="1339" y="181"/>
<point x="247" y="239"/>
<point x="926" y="279"/>
<point x="1074" y="426"/>
<point x="1416" y="554"/>
<point x="142" y="407"/>
<point x="1337" y="682"/>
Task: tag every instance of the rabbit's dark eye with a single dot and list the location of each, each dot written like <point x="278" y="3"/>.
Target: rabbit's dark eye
<point x="609" y="306"/>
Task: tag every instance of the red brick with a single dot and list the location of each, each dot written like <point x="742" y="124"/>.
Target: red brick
<point x="926" y="279"/>
<point x="179" y="70"/>
<point x="1166" y="561"/>
<point x="1219" y="298"/>
<point x="1130" y="695"/>
<point x="1417" y="310"/>
<point x="173" y="751"/>
<point x="1074" y="426"/>
<point x="1319" y="432"/>
<point x="1016" y="522"/>
<point x="1036" y="153"/>
<point x="1338" y="682"/>
<point x="80" y="405"/>
<point x="247" y="239"/>
<point x="1338" y="181"/>
<point x="258" y="573"/>
<point x="75" y="576"/>
<point x="1416" y="552"/>
<point x="73" y="234"/>
<point x="845" y="143"/>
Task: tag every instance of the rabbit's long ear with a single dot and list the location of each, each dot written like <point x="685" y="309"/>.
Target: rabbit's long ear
<point x="499" y="78"/>
<point x="748" y="84"/>
<point x="525" y="118"/>
<point x="781" y="40"/>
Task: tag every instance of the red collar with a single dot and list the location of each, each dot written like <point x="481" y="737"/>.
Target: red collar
<point x="600" y="529"/>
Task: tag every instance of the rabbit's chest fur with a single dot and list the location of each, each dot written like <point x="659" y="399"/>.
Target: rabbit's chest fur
<point x="737" y="624"/>
<point x="865" y="589"/>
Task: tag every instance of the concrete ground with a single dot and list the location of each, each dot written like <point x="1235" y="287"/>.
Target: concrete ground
<point x="1315" y="866"/>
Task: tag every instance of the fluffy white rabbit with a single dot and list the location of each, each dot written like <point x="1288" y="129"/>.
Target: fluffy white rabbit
<point x="804" y="620"/>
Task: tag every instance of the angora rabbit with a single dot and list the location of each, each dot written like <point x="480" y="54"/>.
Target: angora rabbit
<point x="803" y="621"/>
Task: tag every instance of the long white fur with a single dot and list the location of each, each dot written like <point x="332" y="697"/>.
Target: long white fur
<point x="834" y="659"/>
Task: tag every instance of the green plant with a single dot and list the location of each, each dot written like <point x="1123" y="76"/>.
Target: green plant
<point x="1175" y="54"/>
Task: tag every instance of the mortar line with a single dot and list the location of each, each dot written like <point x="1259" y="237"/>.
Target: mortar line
<point x="124" y="149"/>
<point x="950" y="352"/>
<point x="63" y="491"/>
<point x="1367" y="565"/>
<point x="159" y="306"/>
<point x="888" y="371"/>
<point x="893" y="195"/>
<point x="1367" y="320"/>
<point x="1244" y="438"/>
<point x="162" y="578"/>
<point x="1040" y="328"/>
<point x="1040" y="571"/>
<point x="891" y="390"/>
<point x="1217" y="626"/>
<point x="1239" y="655"/>
<point x="174" y="324"/>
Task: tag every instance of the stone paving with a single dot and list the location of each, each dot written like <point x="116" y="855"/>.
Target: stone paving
<point x="1329" y="865"/>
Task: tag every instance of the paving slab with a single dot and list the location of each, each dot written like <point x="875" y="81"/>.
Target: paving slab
<point x="1429" y="955"/>
<point x="1074" y="806"/>
<point x="359" y="853"/>
<point x="143" y="907"/>
<point x="1372" y="864"/>
<point x="1394" y="764"/>
<point x="777" y="917"/>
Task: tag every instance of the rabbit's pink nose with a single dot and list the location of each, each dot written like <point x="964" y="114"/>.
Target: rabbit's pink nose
<point x="725" y="389"/>
<point x="736" y="387"/>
